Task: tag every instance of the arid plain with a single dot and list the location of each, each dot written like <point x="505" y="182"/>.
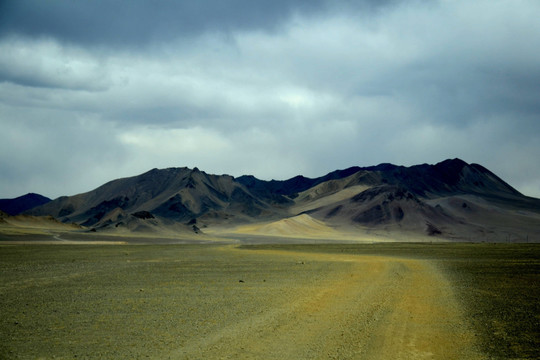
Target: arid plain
<point x="290" y="301"/>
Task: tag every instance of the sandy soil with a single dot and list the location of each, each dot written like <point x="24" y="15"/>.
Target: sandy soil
<point x="373" y="308"/>
<point x="303" y="226"/>
<point x="223" y="302"/>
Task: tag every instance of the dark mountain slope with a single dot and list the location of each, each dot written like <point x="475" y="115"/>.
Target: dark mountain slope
<point x="275" y="189"/>
<point x="426" y="199"/>
<point x="178" y="194"/>
<point x="22" y="203"/>
<point x="389" y="207"/>
<point x="447" y="177"/>
<point x="431" y="199"/>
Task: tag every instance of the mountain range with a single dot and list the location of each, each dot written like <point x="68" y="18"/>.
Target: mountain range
<point x="451" y="200"/>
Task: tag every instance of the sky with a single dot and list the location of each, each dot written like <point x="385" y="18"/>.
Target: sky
<point x="92" y="91"/>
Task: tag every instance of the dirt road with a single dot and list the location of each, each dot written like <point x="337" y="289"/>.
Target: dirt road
<point x="378" y="308"/>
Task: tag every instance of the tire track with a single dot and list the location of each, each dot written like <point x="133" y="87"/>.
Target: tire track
<point x="378" y="308"/>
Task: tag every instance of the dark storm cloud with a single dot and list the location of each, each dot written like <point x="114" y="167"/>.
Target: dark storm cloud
<point x="275" y="89"/>
<point x="140" y="22"/>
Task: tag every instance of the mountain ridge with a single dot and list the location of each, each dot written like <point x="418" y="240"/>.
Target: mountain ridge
<point x="433" y="200"/>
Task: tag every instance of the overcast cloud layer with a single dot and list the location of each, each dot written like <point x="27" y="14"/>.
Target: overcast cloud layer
<point x="91" y="91"/>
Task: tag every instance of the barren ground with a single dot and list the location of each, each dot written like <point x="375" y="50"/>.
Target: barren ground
<point x="221" y="301"/>
<point x="371" y="308"/>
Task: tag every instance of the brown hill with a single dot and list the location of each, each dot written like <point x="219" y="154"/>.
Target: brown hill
<point x="449" y="200"/>
<point x="179" y="195"/>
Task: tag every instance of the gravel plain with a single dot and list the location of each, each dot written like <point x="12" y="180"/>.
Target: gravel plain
<point x="252" y="302"/>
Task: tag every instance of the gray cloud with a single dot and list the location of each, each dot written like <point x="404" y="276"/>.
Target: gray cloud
<point x="49" y="65"/>
<point x="87" y="95"/>
<point x="141" y="22"/>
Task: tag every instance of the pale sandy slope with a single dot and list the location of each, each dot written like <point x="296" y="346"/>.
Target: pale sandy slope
<point x="379" y="308"/>
<point x="306" y="227"/>
<point x="297" y="226"/>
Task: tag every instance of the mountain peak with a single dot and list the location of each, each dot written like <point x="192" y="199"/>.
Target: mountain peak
<point x="22" y="203"/>
<point x="382" y="167"/>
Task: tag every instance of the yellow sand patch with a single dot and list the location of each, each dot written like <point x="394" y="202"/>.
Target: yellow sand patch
<point x="312" y="199"/>
<point x="297" y="226"/>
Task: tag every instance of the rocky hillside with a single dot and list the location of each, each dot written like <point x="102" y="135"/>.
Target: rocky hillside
<point x="176" y="194"/>
<point x="451" y="199"/>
